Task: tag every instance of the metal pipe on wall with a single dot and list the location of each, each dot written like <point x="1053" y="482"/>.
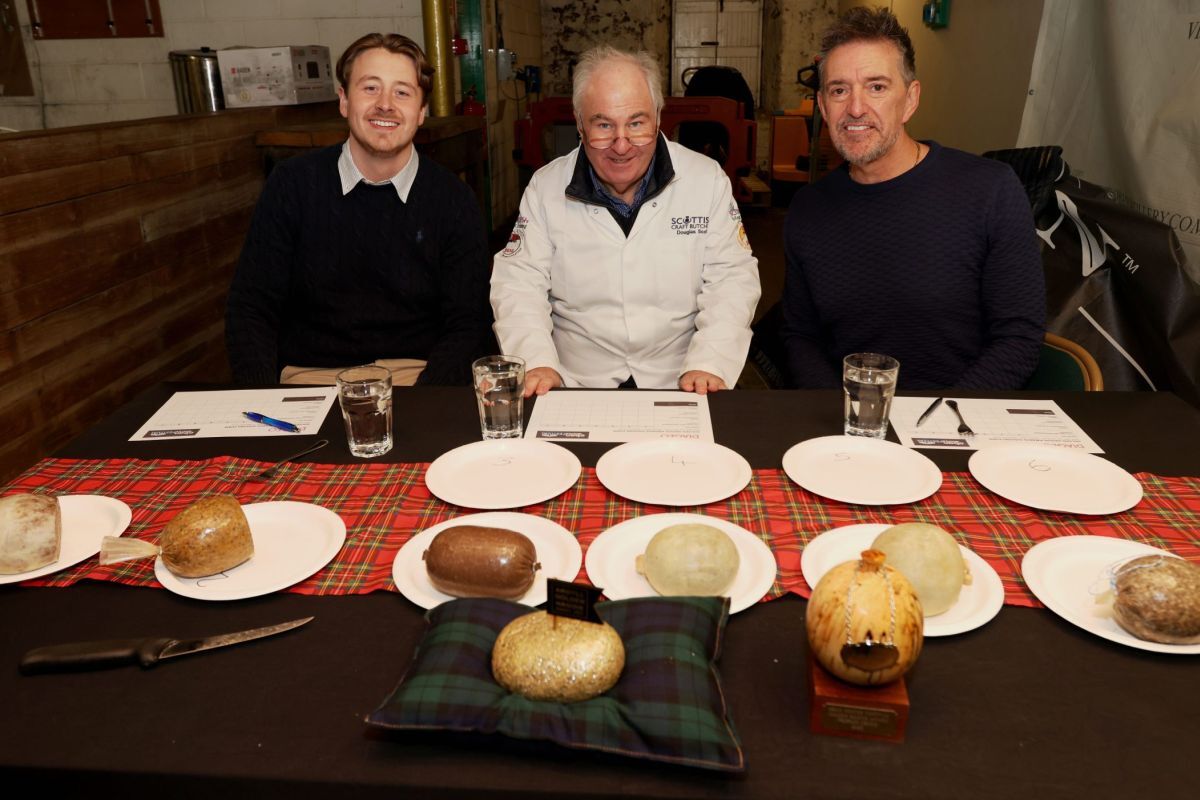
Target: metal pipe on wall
<point x="437" y="49"/>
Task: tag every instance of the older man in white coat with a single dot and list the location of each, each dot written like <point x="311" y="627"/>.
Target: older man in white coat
<point x="628" y="265"/>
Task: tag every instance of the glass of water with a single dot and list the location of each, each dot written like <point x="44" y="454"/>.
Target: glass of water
<point x="868" y="386"/>
<point x="500" y="389"/>
<point x="365" y="394"/>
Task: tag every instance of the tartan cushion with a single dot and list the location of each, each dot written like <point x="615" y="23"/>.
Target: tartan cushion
<point x="667" y="705"/>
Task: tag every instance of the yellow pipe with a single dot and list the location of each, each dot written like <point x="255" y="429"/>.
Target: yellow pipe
<point x="437" y="49"/>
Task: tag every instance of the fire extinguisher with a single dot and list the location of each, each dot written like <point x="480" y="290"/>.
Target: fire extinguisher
<point x="470" y="106"/>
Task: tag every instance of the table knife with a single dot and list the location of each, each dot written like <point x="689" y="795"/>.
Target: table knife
<point x="146" y="651"/>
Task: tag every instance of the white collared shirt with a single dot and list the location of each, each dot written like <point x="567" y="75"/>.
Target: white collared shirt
<point x="350" y="175"/>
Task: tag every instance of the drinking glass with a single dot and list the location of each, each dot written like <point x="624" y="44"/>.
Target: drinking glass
<point x="500" y="390"/>
<point x="868" y="386"/>
<point x="365" y="395"/>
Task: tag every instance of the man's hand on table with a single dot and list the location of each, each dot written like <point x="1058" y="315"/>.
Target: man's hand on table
<point x="700" y="382"/>
<point x="540" y="380"/>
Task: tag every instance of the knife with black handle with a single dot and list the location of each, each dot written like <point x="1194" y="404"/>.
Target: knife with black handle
<point x="146" y="651"/>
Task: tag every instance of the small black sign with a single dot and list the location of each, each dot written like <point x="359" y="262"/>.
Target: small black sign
<point x="170" y="432"/>
<point x="563" y="434"/>
<point x="574" y="600"/>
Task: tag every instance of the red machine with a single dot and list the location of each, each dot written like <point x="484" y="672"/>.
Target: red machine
<point x="532" y="132"/>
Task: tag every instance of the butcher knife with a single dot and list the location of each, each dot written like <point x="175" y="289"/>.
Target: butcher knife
<point x="147" y="651"/>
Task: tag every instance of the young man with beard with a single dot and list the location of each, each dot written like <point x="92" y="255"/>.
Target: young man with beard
<point x="364" y="252"/>
<point x="911" y="249"/>
<point x="628" y="265"/>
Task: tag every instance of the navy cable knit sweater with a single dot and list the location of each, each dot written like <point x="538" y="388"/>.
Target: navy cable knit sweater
<point x="328" y="280"/>
<point x="938" y="267"/>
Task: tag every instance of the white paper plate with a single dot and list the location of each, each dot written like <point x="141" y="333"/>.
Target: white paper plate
<point x="291" y="542"/>
<point x="862" y="470"/>
<point x="86" y="520"/>
<point x="673" y="472"/>
<point x="502" y="473"/>
<point x="612" y="558"/>
<point x="1055" y="479"/>
<point x="1067" y="574"/>
<point x="557" y="551"/>
<point x="978" y="603"/>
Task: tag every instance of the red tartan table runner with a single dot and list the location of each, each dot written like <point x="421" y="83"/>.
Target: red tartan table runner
<point x="385" y="504"/>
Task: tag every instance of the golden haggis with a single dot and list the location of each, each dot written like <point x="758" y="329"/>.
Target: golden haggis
<point x="209" y="536"/>
<point x="557" y="658"/>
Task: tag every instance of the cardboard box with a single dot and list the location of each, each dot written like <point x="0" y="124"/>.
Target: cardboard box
<point x="276" y="76"/>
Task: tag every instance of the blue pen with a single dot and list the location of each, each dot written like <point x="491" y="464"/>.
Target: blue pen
<point x="274" y="423"/>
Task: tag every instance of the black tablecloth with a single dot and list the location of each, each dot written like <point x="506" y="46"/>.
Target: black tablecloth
<point x="1028" y="705"/>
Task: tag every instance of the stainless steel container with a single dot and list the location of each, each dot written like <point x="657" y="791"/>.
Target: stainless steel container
<point x="197" y="81"/>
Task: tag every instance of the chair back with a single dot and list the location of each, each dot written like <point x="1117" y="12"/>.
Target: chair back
<point x="1064" y="364"/>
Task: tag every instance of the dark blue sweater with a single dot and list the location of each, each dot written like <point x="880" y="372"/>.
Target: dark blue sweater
<point x="328" y="280"/>
<point x="938" y="267"/>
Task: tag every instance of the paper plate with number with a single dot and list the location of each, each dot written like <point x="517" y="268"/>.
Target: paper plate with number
<point x="558" y="552"/>
<point x="292" y="541"/>
<point x="1069" y="573"/>
<point x="862" y="470"/>
<point x="979" y="601"/>
<point x="673" y="472"/>
<point x="1055" y="479"/>
<point x="502" y="473"/>
<point x="612" y="559"/>
<point x="86" y="520"/>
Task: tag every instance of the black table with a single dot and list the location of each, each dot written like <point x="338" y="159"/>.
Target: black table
<point x="1028" y="705"/>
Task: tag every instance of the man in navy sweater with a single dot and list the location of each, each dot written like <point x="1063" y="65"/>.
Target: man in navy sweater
<point x="364" y="252"/>
<point x="918" y="251"/>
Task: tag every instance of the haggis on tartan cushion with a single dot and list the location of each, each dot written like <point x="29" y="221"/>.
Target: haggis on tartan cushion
<point x="668" y="704"/>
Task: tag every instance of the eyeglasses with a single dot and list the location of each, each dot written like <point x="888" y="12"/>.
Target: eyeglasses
<point x="601" y="135"/>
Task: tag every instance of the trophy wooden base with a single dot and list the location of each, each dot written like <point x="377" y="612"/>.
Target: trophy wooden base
<point x="837" y="708"/>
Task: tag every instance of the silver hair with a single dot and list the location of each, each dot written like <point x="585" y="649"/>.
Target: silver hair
<point x="604" y="54"/>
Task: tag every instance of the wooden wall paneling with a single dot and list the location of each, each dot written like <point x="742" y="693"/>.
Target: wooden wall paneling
<point x="8" y="348"/>
<point x="20" y="452"/>
<point x="68" y="281"/>
<point x="106" y="321"/>
<point x="60" y="335"/>
<point x="167" y="162"/>
<point x="48" y="386"/>
<point x="34" y="151"/>
<point x="52" y="387"/>
<point x="33" y="189"/>
<point x="183" y="265"/>
<point x="48" y="223"/>
<point x="117" y="245"/>
<point x="57" y="335"/>
<point x="32" y="264"/>
<point x="181" y="215"/>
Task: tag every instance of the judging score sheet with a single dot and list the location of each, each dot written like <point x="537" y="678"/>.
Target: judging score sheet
<point x="620" y="416"/>
<point x="1039" y="422"/>
<point x="201" y="415"/>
